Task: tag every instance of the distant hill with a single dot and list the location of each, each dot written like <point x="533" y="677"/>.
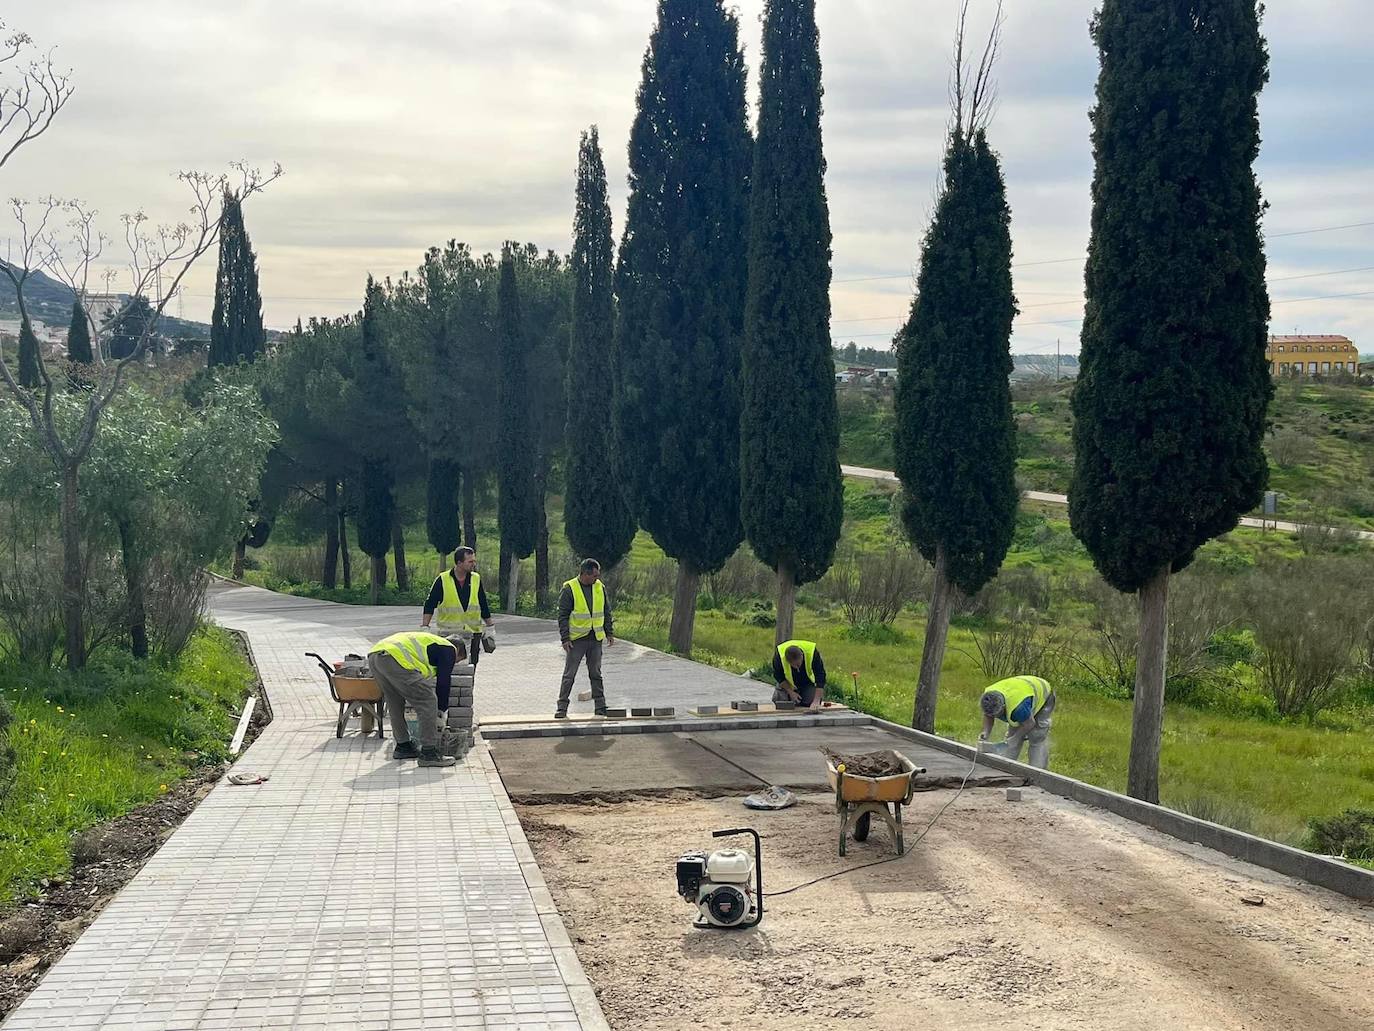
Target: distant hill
<point x="51" y="301"/>
<point x="1044" y="366"/>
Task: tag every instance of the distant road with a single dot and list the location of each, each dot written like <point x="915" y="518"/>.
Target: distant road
<point x="886" y="476"/>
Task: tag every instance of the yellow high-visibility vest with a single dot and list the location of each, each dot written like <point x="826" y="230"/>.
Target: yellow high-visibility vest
<point x="1017" y="689"/>
<point x="410" y="648"/>
<point x="583" y="620"/>
<point x="808" y="656"/>
<point x="451" y="614"/>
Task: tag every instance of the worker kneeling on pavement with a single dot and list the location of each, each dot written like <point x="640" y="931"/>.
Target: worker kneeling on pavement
<point x="800" y="674"/>
<point x="1025" y="704"/>
<point x="415" y="668"/>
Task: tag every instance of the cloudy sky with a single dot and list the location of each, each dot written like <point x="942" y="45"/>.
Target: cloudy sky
<point x="401" y="125"/>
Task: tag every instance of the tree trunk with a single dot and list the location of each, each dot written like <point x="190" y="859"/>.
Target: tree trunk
<point x="398" y="551"/>
<point x="933" y="650"/>
<point x="684" y="610"/>
<point x="510" y="589"/>
<point x="330" y="576"/>
<point x="378" y="579"/>
<point x="541" y="557"/>
<point x="136" y="614"/>
<point x="240" y="549"/>
<point x="1147" y="722"/>
<point x="73" y="579"/>
<point x="469" y="509"/>
<point x="787" y="603"/>
<point x="344" y="552"/>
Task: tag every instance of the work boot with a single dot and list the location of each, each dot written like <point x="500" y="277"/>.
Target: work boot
<point x="405" y="750"/>
<point x="601" y="711"/>
<point x="433" y="757"/>
<point x="560" y="715"/>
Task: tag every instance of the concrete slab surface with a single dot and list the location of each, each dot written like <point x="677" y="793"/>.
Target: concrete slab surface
<point x="614" y="764"/>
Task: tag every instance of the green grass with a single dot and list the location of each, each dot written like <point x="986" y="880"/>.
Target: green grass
<point x="91" y="747"/>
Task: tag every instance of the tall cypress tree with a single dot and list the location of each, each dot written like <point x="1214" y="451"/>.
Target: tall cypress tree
<point x="1170" y="406"/>
<point x="79" y="337"/>
<point x="517" y="500"/>
<point x="29" y="373"/>
<point x="791" y="493"/>
<point x="681" y="282"/>
<point x="441" y="508"/>
<point x="236" y="330"/>
<point x="378" y="504"/>
<point x="955" y="441"/>
<point x="596" y="516"/>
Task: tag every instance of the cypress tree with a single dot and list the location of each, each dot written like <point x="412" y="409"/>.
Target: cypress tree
<point x="954" y="440"/>
<point x="681" y="282"/>
<point x="1173" y="388"/>
<point x="441" y="508"/>
<point x="517" y="501"/>
<point x="596" y="516"/>
<point x="30" y="375"/>
<point x="377" y="503"/>
<point x="791" y="492"/>
<point x="79" y="337"/>
<point x="236" y="330"/>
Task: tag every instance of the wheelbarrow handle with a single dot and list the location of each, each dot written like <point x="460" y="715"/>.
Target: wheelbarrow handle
<point x="328" y="669"/>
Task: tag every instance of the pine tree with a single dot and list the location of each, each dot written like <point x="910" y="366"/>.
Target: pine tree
<point x="791" y="493"/>
<point x="955" y="441"/>
<point x="236" y="329"/>
<point x="517" y="510"/>
<point x="596" y="517"/>
<point x="681" y="281"/>
<point x="1173" y="388"/>
<point x="79" y="337"/>
<point x="30" y="375"/>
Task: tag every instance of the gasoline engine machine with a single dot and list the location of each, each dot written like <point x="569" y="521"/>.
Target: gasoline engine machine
<point x="726" y="885"/>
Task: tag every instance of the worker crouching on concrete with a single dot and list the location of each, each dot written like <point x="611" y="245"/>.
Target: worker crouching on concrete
<point x="800" y="674"/>
<point x="1025" y="704"/>
<point x="415" y="668"/>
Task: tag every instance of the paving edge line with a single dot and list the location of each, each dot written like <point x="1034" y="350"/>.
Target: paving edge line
<point x="669" y="725"/>
<point x="580" y="991"/>
<point x="1332" y="874"/>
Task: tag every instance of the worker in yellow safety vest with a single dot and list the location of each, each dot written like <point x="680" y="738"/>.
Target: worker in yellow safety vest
<point x="584" y="622"/>
<point x="415" y="668"/>
<point x="457" y="603"/>
<point x="800" y="674"/>
<point x="1026" y="705"/>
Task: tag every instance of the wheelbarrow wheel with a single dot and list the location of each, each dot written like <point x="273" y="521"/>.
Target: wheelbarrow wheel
<point x="861" y="826"/>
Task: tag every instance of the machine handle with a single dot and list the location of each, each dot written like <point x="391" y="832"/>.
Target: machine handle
<point x="758" y="866"/>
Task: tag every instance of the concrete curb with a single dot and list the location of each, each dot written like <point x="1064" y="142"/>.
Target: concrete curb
<point x="670" y="726"/>
<point x="1332" y="874"/>
<point x="585" y="1004"/>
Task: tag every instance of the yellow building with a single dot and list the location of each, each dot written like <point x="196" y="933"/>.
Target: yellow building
<point x="1312" y="355"/>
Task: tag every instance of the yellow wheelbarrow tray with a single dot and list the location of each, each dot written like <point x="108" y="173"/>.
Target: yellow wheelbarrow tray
<point x="355" y="696"/>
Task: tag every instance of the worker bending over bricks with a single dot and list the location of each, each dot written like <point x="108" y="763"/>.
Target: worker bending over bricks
<point x="415" y="668"/>
<point x="1025" y="704"/>
<point x="800" y="674"/>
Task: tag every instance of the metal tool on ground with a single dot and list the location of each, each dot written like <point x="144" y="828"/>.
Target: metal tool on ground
<point x="718" y="883"/>
<point x="871" y="784"/>
<point x="356" y="696"/>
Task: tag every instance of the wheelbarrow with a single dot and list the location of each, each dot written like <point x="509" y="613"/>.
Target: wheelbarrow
<point x="859" y="799"/>
<point x="356" y="696"/>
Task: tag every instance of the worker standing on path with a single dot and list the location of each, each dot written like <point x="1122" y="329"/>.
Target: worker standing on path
<point x="800" y="674"/>
<point x="460" y="603"/>
<point x="1025" y="704"/>
<point x="415" y="668"/>
<point x="584" y="621"/>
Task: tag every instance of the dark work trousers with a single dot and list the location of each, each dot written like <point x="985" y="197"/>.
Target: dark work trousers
<point x="588" y="648"/>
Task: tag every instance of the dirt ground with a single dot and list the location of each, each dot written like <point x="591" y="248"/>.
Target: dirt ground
<point x="1035" y="915"/>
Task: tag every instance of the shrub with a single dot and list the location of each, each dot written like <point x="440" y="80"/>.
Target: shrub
<point x="1349" y="835"/>
<point x="873" y="633"/>
<point x="1290" y="446"/>
<point x="761" y="614"/>
<point x="741" y="578"/>
<point x="874" y="587"/>
<point x="1018" y="646"/>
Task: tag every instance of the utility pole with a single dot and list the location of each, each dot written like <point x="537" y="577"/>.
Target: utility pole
<point x="1056" y="359"/>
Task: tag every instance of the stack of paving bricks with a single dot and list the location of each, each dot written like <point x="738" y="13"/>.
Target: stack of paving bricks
<point x="458" y="736"/>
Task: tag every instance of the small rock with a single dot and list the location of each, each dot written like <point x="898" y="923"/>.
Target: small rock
<point x="1252" y="900"/>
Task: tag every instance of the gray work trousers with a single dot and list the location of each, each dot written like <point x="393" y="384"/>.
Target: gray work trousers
<point x="588" y="648"/>
<point x="1037" y="737"/>
<point x="402" y="687"/>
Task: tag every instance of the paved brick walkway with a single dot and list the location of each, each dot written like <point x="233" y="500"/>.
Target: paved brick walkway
<point x="349" y="892"/>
